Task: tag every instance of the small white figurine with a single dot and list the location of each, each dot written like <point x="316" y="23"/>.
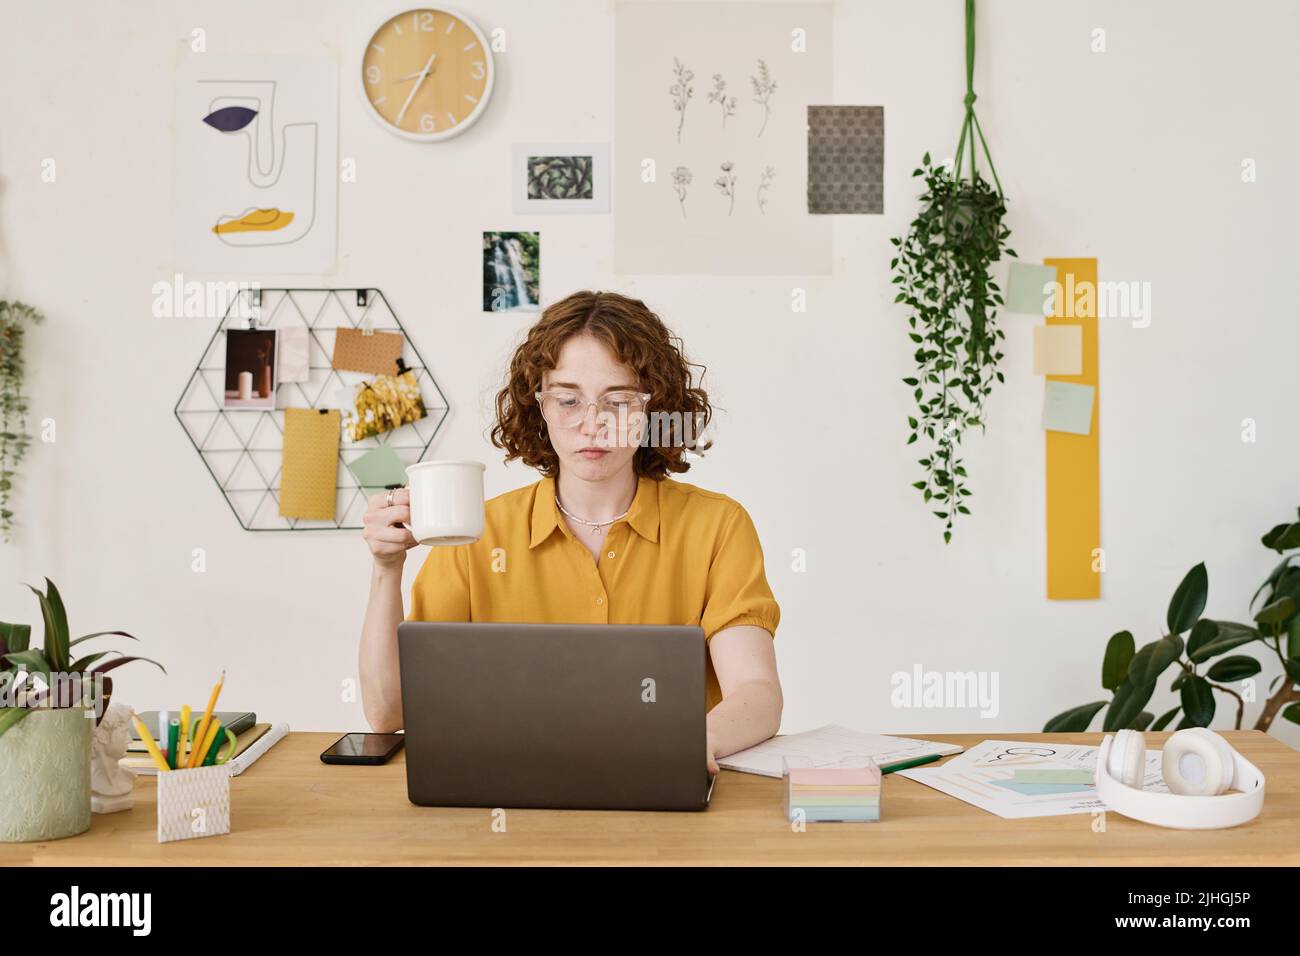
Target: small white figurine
<point x="111" y="783"/>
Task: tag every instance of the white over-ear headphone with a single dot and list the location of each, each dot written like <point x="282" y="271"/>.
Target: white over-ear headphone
<point x="1199" y="767"/>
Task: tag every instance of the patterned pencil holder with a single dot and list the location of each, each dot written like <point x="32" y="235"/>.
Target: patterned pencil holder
<point x="193" y="803"/>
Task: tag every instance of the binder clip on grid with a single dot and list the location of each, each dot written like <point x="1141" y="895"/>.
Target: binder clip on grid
<point x="847" y="791"/>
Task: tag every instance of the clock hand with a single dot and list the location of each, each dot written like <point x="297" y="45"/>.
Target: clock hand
<point x="409" y="76"/>
<point x="410" y="96"/>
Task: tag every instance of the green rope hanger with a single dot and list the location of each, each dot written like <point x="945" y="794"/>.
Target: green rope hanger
<point x="970" y="127"/>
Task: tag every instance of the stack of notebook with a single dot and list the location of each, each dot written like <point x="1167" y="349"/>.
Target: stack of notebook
<point x="826" y="794"/>
<point x="241" y="723"/>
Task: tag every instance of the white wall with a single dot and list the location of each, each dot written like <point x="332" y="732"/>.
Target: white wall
<point x="1132" y="156"/>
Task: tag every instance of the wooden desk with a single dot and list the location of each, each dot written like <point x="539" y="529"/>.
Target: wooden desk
<point x="289" y="808"/>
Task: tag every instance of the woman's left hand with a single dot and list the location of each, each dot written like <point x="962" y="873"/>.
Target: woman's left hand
<point x="711" y="749"/>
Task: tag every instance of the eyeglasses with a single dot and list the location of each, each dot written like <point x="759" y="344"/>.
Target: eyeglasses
<point x="566" y="408"/>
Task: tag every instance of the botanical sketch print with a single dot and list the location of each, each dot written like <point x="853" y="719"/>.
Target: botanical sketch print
<point x="681" y="91"/>
<point x="764" y="86"/>
<point x="764" y="182"/>
<point x="719" y="95"/>
<point x="681" y="180"/>
<point x="714" y="120"/>
<point x="726" y="184"/>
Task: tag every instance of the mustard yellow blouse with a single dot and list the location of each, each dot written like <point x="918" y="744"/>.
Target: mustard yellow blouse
<point x="682" y="555"/>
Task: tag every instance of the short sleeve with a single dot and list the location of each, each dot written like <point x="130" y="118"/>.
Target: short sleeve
<point x="737" y="590"/>
<point x="441" y="588"/>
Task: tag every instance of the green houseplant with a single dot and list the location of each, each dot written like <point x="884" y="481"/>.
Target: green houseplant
<point x="46" y="725"/>
<point x="942" y="268"/>
<point x="1202" y="664"/>
<point x="14" y="318"/>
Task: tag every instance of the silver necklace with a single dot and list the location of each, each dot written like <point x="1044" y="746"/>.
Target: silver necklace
<point x="595" y="526"/>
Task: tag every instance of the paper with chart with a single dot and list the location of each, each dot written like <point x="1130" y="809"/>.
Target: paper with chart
<point x="831" y="746"/>
<point x="986" y="777"/>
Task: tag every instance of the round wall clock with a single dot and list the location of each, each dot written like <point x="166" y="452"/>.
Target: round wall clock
<point x="427" y="74"/>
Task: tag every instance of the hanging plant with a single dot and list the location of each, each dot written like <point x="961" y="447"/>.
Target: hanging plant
<point x="13" y="403"/>
<point x="942" y="268"/>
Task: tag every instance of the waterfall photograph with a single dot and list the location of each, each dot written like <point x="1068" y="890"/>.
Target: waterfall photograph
<point x="512" y="271"/>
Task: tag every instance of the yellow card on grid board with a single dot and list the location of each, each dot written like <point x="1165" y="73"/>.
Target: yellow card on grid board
<point x="310" y="471"/>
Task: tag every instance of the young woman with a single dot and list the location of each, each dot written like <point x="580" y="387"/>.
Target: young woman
<point x="605" y="536"/>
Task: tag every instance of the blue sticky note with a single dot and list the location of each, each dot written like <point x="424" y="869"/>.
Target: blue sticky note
<point x="1067" y="407"/>
<point x="1025" y="282"/>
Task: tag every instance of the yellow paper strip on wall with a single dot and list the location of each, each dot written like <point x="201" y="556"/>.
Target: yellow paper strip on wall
<point x="1074" y="461"/>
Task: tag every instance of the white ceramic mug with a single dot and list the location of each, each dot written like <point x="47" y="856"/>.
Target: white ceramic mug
<point x="446" y="501"/>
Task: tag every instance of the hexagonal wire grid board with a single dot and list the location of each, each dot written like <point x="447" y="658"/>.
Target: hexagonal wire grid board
<point x="242" y="447"/>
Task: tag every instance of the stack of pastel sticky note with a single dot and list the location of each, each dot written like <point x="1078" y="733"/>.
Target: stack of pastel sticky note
<point x="825" y="794"/>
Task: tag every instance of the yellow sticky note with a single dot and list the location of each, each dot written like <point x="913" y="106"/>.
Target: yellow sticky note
<point x="309" y="472"/>
<point x="1058" y="350"/>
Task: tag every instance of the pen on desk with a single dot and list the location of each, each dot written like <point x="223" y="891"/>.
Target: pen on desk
<point x="197" y="754"/>
<point x="148" y="740"/>
<point x="162" y="735"/>
<point x="915" y="762"/>
<point x="173" y="741"/>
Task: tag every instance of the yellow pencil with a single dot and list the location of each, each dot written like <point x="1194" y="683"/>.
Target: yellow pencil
<point x="197" y="752"/>
<point x="213" y="732"/>
<point x="149" y="743"/>
<point x="182" y="753"/>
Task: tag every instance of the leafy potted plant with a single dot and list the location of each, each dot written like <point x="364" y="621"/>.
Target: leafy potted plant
<point x="46" y="719"/>
<point x="14" y="317"/>
<point x="942" y="268"/>
<point x="1131" y="675"/>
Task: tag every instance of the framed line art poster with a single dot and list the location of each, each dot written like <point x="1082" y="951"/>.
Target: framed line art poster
<point x="560" y="177"/>
<point x="256" y="164"/>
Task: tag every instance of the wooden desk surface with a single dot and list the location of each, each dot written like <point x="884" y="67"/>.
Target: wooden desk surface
<point x="289" y="808"/>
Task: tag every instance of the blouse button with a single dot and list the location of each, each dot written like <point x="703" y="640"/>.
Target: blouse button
<point x="600" y="600"/>
<point x="610" y="555"/>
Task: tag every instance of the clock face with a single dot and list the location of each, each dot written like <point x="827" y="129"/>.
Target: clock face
<point x="427" y="74"/>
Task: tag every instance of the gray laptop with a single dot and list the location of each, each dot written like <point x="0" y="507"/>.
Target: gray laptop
<point x="571" y="716"/>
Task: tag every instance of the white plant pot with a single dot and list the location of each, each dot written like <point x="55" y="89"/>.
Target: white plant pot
<point x="45" y="776"/>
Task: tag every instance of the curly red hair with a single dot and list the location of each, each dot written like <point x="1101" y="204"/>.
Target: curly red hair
<point x="636" y="337"/>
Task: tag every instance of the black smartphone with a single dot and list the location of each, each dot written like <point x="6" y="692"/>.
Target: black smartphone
<point x="363" y="748"/>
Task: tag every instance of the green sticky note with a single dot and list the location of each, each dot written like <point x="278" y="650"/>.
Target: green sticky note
<point x="1053" y="776"/>
<point x="1067" y="407"/>
<point x="1025" y="282"/>
<point x="1041" y="789"/>
<point x="380" y="468"/>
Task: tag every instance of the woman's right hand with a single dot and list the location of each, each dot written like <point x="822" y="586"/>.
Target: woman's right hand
<point x="389" y="539"/>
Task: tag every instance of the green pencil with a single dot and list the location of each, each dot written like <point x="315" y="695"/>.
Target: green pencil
<point x="915" y="762"/>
